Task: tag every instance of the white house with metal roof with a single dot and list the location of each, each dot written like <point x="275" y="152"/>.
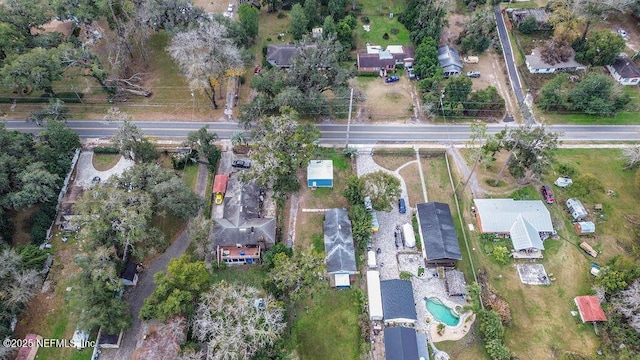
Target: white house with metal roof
<point x="527" y="222"/>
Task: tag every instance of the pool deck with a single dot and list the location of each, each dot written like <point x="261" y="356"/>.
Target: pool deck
<point x="429" y="286"/>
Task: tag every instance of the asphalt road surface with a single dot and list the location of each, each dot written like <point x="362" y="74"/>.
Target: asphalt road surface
<point x="360" y="134"/>
<point x="507" y="52"/>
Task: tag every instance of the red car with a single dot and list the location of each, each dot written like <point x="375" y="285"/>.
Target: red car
<point x="547" y="194"/>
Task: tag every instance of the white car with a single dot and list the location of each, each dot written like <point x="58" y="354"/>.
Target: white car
<point x="563" y="182"/>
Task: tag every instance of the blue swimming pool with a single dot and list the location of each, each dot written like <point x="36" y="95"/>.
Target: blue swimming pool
<point x="441" y="312"/>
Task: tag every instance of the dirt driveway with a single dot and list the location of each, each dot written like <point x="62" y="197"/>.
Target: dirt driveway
<point x="493" y="73"/>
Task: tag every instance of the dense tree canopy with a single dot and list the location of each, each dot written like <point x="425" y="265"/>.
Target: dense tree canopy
<point x="281" y="146"/>
<point x="596" y="95"/>
<point x="601" y="48"/>
<point x="479" y="31"/>
<point x="423" y="19"/>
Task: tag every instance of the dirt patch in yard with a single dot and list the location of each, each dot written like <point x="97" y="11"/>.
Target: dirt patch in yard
<point x="384" y="101"/>
<point x="493" y="73"/>
<point x="411" y="176"/>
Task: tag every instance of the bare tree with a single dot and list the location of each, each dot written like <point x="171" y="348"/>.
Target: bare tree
<point x="164" y="341"/>
<point x="632" y="156"/>
<point x="236" y="321"/>
<point x="204" y="56"/>
<point x="627" y="303"/>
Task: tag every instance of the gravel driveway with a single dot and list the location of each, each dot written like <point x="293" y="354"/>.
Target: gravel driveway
<point x="86" y="172"/>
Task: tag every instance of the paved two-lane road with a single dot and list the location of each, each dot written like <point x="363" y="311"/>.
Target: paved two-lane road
<point x="367" y="134"/>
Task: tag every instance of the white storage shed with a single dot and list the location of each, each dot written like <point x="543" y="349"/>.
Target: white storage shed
<point x="409" y="235"/>
<point x="375" y="296"/>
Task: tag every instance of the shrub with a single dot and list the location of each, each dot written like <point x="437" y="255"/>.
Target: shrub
<point x="41" y="223"/>
<point x="585" y="186"/>
<point x="365" y="19"/>
<point x="567" y="170"/>
<point x="405" y="275"/>
<point x="281" y="15"/>
<point x="500" y="254"/>
<point x="395" y="31"/>
<point x="105" y="150"/>
<point x="385" y="36"/>
<point x="529" y="25"/>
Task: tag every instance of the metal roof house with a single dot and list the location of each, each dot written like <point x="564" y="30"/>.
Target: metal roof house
<point x="400" y="343"/>
<point x="374" y="295"/>
<point x="625" y="71"/>
<point x="440" y="245"/>
<point x="320" y="173"/>
<point x="338" y="245"/>
<point x="589" y="308"/>
<point x="537" y="65"/>
<point x="526" y="221"/>
<point x="449" y="60"/>
<point x="397" y="302"/>
<point x="241" y="234"/>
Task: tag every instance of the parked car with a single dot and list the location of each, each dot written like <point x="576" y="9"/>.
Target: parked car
<point x="402" y="207"/>
<point x="219" y="198"/>
<point x="392" y="78"/>
<point x="473" y="74"/>
<point x="547" y="194"/>
<point x="243" y="164"/>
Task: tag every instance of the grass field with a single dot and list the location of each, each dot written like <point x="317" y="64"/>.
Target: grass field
<point x="190" y="176"/>
<point x="380" y="22"/>
<point x="326" y="327"/>
<point x="541" y="315"/>
<point x="103" y="162"/>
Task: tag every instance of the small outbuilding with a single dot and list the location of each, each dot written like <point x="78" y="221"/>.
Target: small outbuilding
<point x="320" y="173"/>
<point x="589" y="308"/>
<point x="585" y="227"/>
<point x="397" y="302"/>
<point x="130" y="274"/>
<point x="625" y="71"/>
<point x="375" y="296"/>
<point x="576" y="209"/>
<point x="400" y="343"/>
<point x="456" y="285"/>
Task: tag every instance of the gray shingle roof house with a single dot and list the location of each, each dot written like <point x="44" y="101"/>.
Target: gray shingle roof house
<point x="440" y="245"/>
<point x="397" y="302"/>
<point x="338" y="244"/>
<point x="400" y="343"/>
<point x="523" y="220"/>
<point x="281" y="55"/>
<point x="241" y="223"/>
<point x="625" y="71"/>
<point x="449" y="60"/>
<point x="537" y="65"/>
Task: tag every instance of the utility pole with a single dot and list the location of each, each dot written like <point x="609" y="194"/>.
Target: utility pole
<point x="349" y="118"/>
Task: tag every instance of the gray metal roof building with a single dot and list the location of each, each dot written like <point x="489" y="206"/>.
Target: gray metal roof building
<point x="440" y="245"/>
<point x="400" y="343"/>
<point x="338" y="242"/>
<point x="524" y="220"/>
<point x="397" y="301"/>
<point x="449" y="60"/>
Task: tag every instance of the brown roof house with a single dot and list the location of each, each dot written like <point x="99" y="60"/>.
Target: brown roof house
<point x="625" y="71"/>
<point x="376" y="59"/>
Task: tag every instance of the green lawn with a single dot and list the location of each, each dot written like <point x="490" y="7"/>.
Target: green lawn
<point x="622" y="118"/>
<point x="326" y="327"/>
<point x="246" y="274"/>
<point x="190" y="176"/>
<point x="380" y="23"/>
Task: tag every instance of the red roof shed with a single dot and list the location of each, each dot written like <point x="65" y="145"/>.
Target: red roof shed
<point x="589" y="308"/>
